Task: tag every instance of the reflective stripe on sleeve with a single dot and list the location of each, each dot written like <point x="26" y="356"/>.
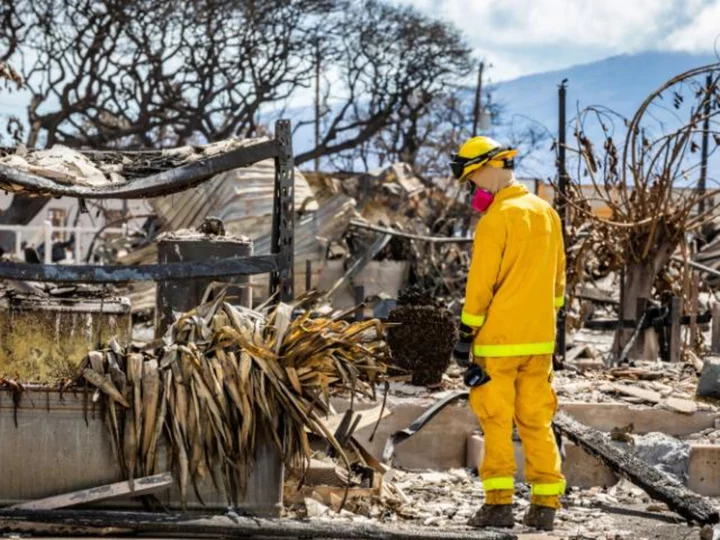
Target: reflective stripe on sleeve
<point x="472" y="320"/>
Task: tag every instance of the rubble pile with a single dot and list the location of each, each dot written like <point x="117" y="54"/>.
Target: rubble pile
<point x="445" y="501"/>
<point x="663" y="386"/>
<point x="104" y="168"/>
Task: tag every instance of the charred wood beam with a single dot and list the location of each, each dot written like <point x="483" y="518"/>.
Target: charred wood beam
<point x="283" y="224"/>
<point x="164" y="183"/>
<point x="234" y="266"/>
<point x="658" y="485"/>
<point x="99" y="522"/>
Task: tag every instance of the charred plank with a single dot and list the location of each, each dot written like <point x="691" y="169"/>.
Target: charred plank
<point x="77" y="522"/>
<point x="655" y="483"/>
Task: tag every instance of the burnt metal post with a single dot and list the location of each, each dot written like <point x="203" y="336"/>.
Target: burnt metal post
<point x="702" y="183"/>
<point x="560" y="203"/>
<point x="282" y="244"/>
<point x="308" y="274"/>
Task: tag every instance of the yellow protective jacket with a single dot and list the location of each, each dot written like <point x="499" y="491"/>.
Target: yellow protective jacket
<point x="517" y="276"/>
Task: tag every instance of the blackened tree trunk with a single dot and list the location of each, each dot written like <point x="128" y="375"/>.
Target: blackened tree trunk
<point x="639" y="282"/>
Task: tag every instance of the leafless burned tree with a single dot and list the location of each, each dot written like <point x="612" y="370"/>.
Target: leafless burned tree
<point x="11" y="33"/>
<point x="648" y="183"/>
<point x="382" y="74"/>
<point x="144" y="73"/>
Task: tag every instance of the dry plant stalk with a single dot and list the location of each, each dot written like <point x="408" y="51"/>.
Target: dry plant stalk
<point x="646" y="183"/>
<point x="227" y="381"/>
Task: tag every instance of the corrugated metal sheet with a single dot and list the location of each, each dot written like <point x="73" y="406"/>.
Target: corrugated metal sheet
<point x="242" y="198"/>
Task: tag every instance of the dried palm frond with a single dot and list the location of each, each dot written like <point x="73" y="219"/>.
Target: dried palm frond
<point x="227" y="380"/>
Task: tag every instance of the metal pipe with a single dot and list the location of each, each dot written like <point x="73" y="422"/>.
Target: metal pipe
<point x="400" y="234"/>
<point x="698" y="266"/>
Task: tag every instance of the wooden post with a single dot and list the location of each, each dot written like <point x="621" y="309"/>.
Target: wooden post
<point x="48" y="233"/>
<point x="715" y="344"/>
<point x="561" y="205"/>
<point x="477" y="109"/>
<point x="676" y="308"/>
<point x="283" y="226"/>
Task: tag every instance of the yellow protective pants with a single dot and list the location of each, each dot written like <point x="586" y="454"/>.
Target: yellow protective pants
<point x="520" y="390"/>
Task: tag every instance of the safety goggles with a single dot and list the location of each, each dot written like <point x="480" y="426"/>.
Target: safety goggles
<point x="458" y="163"/>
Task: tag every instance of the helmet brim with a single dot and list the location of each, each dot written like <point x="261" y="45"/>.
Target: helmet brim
<point x="503" y="155"/>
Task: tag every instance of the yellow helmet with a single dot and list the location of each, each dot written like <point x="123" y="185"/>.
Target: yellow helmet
<point x="480" y="151"/>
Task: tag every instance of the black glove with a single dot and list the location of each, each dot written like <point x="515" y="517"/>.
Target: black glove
<point x="461" y="353"/>
<point x="475" y="376"/>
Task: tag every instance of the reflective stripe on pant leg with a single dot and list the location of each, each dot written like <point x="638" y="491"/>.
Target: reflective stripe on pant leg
<point x="545" y="490"/>
<point x="503" y="482"/>
<point x="535" y="406"/>
<point x="547" y="495"/>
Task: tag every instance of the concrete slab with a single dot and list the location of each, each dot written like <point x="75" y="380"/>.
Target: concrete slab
<point x="704" y="471"/>
<point x="442" y="443"/>
<point x="606" y="416"/>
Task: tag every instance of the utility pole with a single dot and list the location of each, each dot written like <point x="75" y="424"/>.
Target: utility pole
<point x="702" y="183"/>
<point x="478" y="98"/>
<point x="317" y="100"/>
<point x="561" y="204"/>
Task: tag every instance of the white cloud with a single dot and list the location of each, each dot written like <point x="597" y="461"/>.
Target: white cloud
<point x="699" y="35"/>
<point x="535" y="35"/>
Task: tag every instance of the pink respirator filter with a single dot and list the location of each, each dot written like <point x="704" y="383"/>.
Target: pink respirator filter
<point x="482" y="199"/>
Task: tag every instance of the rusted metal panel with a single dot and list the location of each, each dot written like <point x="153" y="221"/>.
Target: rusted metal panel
<point x="44" y="339"/>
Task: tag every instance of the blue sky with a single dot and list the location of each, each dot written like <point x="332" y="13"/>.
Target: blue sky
<point x="519" y="37"/>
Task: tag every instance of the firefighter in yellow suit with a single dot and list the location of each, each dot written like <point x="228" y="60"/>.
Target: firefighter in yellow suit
<point x="515" y="286"/>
